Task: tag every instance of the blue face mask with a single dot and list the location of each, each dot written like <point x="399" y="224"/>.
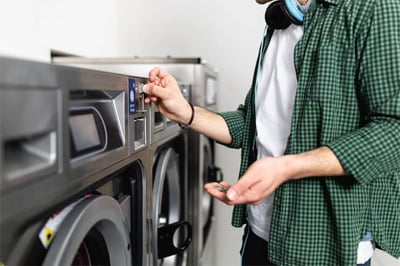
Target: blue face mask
<point x="280" y="14"/>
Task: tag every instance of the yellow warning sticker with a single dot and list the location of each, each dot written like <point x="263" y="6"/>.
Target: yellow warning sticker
<point x="50" y="229"/>
<point x="49" y="235"/>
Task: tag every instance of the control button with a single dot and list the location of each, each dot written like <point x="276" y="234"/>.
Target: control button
<point x="131" y="96"/>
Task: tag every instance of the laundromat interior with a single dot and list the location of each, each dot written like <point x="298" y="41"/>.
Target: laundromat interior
<point x="45" y="50"/>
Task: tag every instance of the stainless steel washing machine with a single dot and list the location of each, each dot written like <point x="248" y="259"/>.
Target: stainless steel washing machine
<point x="200" y="81"/>
<point x="172" y="232"/>
<point x="74" y="165"/>
<point x="170" y="227"/>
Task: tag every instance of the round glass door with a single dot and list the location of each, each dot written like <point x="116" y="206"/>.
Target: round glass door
<point x="167" y="206"/>
<point x="95" y="232"/>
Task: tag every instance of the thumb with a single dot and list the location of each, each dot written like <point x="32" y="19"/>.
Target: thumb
<point x="231" y="194"/>
<point x="154" y="90"/>
<point x="237" y="189"/>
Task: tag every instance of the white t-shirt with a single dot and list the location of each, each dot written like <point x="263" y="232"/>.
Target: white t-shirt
<point x="275" y="95"/>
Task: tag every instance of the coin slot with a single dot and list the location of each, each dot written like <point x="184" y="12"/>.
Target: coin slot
<point x="140" y="132"/>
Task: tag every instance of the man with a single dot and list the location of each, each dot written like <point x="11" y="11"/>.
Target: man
<point x="320" y="141"/>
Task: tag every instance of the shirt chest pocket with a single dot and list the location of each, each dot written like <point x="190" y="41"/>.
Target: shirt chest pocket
<point x="330" y="72"/>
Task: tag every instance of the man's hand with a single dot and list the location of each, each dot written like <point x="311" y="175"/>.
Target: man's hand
<point x="266" y="174"/>
<point x="259" y="181"/>
<point x="164" y="91"/>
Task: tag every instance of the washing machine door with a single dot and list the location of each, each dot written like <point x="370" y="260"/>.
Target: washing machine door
<point x="171" y="234"/>
<point x="95" y="232"/>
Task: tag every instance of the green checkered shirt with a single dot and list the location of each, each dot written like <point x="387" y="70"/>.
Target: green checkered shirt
<point x="348" y="98"/>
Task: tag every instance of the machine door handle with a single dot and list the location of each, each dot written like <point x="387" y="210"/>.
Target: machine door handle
<point x="215" y="174"/>
<point x="174" y="238"/>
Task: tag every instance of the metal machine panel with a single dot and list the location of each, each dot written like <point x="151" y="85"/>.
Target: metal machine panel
<point x="64" y="132"/>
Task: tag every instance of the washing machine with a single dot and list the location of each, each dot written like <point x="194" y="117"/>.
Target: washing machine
<point x="170" y="226"/>
<point x="74" y="165"/>
<point x="200" y="81"/>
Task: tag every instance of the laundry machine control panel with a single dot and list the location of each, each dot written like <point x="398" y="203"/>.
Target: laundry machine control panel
<point x="96" y="122"/>
<point x="138" y="115"/>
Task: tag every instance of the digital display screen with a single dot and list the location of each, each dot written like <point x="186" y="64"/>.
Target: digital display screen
<point x="84" y="131"/>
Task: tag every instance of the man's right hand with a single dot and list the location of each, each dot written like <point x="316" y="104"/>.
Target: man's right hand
<point x="164" y="91"/>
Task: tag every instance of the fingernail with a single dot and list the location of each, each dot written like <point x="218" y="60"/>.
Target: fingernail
<point x="232" y="194"/>
<point x="145" y="88"/>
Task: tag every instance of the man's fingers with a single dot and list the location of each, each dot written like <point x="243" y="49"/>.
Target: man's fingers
<point x="154" y="91"/>
<point x="157" y="74"/>
<point x="239" y="188"/>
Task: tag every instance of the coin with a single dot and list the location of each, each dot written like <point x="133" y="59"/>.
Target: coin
<point x="221" y="188"/>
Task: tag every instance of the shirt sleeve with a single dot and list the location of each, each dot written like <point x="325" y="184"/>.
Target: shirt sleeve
<point x="374" y="149"/>
<point x="236" y="122"/>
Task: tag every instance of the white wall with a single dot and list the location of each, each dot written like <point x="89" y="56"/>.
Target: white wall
<point x="29" y="29"/>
